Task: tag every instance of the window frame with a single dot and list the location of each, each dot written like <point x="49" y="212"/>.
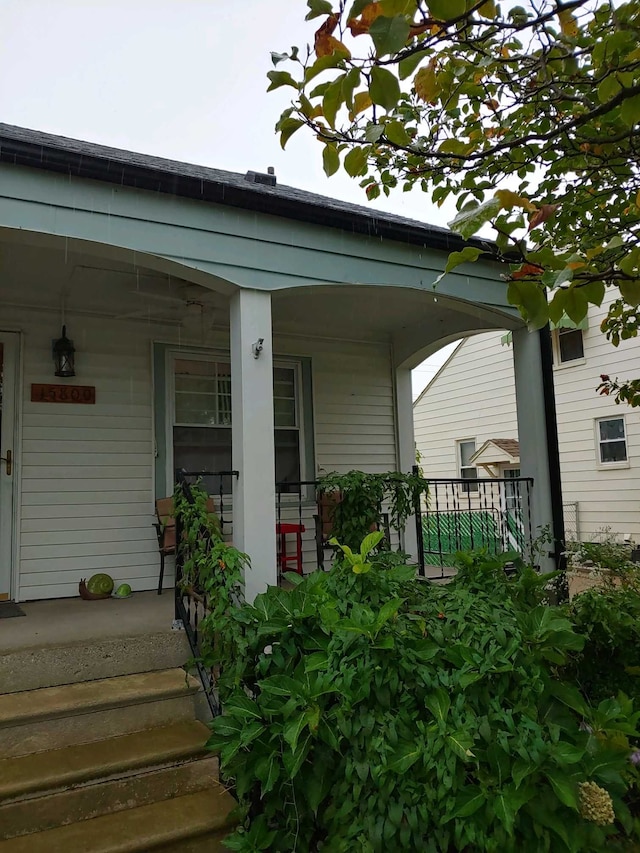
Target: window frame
<point x="621" y="463"/>
<point x="472" y="488"/>
<point x="304" y="407"/>
<point x="558" y="363"/>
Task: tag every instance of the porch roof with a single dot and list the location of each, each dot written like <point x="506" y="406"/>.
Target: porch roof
<point x="35" y="149"/>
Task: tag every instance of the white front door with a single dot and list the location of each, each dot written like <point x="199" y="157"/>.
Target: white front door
<point x="9" y="350"/>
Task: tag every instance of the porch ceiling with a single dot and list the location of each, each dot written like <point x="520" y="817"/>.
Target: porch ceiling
<point x="409" y="319"/>
<point x="47" y="272"/>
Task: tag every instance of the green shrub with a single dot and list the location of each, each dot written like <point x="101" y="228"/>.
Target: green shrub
<point x="366" y="710"/>
<point x="363" y="498"/>
<point x="608" y="617"/>
<point x="605" y="552"/>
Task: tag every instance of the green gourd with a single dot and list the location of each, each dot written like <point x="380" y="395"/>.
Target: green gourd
<point x="100" y="584"/>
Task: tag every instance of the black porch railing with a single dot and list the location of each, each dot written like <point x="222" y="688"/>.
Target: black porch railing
<point x="191" y="602"/>
<point x="470" y="514"/>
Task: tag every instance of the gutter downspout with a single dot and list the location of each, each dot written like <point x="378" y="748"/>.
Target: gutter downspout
<point x="553" y="450"/>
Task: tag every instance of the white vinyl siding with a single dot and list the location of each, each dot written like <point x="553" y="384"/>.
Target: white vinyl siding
<point x="474" y="394"/>
<point x="87" y="492"/>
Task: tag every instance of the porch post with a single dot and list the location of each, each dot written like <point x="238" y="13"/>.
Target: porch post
<point x="406" y="448"/>
<point x="537" y="433"/>
<point x="254" y="508"/>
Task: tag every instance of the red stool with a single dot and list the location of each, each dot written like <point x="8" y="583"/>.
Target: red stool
<point x="282" y="529"/>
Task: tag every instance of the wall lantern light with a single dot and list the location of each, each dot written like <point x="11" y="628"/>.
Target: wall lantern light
<point x="64" y="355"/>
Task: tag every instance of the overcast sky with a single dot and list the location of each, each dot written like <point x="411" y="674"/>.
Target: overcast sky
<point x="184" y="79"/>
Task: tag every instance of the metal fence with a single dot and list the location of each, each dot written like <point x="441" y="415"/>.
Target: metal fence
<point x="571" y="521"/>
<point x="470" y="514"/>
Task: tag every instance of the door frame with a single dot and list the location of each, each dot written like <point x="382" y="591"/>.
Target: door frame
<point x="14" y="443"/>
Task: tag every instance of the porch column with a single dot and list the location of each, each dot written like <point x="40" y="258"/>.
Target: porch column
<point x="537" y="433"/>
<point x="406" y="448"/>
<point x="254" y="507"/>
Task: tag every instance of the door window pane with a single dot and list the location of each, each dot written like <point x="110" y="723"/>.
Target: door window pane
<point x="202" y="392"/>
<point x="287" y="445"/>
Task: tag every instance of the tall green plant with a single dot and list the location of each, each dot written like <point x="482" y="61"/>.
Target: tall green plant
<point x="368" y="711"/>
<point x="211" y="569"/>
<point x="364" y="498"/>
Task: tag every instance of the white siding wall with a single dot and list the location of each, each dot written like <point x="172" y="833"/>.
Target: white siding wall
<point x="354" y="418"/>
<point x="474" y="397"/>
<point x="87" y="496"/>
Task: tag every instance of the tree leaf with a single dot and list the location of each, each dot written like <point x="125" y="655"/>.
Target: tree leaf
<point x="630" y="291"/>
<point x="389" y="34"/>
<point x="361" y="102"/>
<point x="474" y="216"/>
<point x="280" y="78"/>
<point x="531" y="300"/>
<point x="333" y="99"/>
<point x="317" y="8"/>
<point x="287" y="128"/>
<point x="576" y="304"/>
<point x="355" y="163"/>
<point x="395" y="132"/>
<point x="426" y="83"/>
<point x="384" y="89"/>
<point x="446" y="10"/>
<point x="488" y="9"/>
<point x="630" y="111"/>
<point x="330" y="160"/>
<point x="594" y="292"/>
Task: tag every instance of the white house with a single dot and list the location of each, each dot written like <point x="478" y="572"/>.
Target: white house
<point x="466" y="423"/>
<point x="220" y="322"/>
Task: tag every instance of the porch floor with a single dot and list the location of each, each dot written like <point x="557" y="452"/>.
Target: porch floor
<point x="72" y="620"/>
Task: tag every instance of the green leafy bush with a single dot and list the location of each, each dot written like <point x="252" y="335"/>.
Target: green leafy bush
<point x="366" y="710"/>
<point x="605" y="552"/>
<point x="608" y="617"/>
<point x="363" y="498"/>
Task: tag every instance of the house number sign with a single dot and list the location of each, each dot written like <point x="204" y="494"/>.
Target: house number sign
<point x="82" y="394"/>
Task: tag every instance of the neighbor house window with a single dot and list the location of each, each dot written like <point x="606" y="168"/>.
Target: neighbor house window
<point x="568" y="345"/>
<point x="612" y="440"/>
<point x="202" y="417"/>
<point x="466" y="449"/>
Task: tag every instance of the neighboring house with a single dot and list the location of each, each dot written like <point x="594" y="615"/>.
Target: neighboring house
<point x="200" y="303"/>
<point x="466" y="423"/>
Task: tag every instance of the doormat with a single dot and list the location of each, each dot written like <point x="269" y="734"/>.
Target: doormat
<point x="9" y="609"/>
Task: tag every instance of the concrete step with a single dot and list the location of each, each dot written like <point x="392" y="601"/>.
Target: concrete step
<point x="31" y="721"/>
<point x="160" y="826"/>
<point x="90" y="659"/>
<point x="49" y="789"/>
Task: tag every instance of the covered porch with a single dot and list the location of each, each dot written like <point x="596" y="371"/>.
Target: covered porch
<point x="217" y="335"/>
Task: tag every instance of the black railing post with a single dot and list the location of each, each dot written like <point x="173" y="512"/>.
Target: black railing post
<point x="417" y="508"/>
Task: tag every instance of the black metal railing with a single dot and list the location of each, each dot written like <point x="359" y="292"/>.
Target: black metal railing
<point x="191" y="602"/>
<point x="469" y="514"/>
